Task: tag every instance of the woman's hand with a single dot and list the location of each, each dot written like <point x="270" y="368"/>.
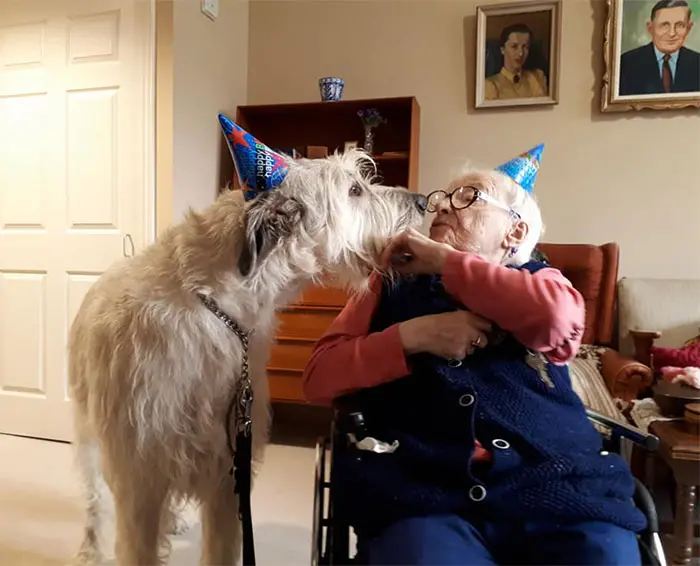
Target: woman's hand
<point x="412" y="252"/>
<point x="450" y="335"/>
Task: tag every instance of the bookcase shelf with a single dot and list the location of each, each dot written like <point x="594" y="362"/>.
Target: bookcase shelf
<point x="332" y="124"/>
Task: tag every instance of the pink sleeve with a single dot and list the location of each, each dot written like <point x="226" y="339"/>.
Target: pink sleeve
<point x="347" y="358"/>
<point x="542" y="310"/>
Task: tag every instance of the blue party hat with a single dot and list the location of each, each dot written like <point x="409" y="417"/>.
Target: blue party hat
<point x="259" y="168"/>
<point x="524" y="168"/>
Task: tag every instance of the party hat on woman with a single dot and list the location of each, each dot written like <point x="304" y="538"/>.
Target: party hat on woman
<point x="259" y="168"/>
<point x="524" y="168"/>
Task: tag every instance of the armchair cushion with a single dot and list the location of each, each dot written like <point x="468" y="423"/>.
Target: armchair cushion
<point x="590" y="385"/>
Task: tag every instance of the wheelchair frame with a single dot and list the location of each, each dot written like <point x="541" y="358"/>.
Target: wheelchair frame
<point x="331" y="535"/>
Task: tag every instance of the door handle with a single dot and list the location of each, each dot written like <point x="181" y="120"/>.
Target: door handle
<point x="128" y="248"/>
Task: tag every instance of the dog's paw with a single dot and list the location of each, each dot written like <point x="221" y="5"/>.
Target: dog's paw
<point x="90" y="552"/>
<point x="87" y="558"/>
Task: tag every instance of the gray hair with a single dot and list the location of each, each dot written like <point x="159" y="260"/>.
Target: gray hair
<point x="663" y="4"/>
<point x="507" y="191"/>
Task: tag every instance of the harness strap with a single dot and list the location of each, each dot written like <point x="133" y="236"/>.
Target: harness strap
<point x="242" y="454"/>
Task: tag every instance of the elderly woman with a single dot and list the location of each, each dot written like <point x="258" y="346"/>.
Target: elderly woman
<point x="484" y="454"/>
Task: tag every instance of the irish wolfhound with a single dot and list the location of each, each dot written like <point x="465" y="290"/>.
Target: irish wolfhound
<point x="152" y="369"/>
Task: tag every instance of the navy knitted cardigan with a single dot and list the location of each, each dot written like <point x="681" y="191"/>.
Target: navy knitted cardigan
<point x="548" y="460"/>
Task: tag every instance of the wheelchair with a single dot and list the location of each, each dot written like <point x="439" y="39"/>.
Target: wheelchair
<point x="331" y="535"/>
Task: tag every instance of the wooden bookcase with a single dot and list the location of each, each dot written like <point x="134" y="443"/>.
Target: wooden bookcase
<point x="328" y="124"/>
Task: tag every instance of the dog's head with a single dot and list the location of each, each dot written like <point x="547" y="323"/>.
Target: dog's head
<point x="329" y="216"/>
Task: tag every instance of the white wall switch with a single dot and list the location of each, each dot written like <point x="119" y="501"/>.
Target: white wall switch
<point x="210" y="8"/>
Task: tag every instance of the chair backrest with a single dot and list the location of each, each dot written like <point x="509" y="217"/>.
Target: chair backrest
<point x="593" y="271"/>
<point x="668" y="306"/>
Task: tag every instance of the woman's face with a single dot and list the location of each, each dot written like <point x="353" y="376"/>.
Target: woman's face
<point x="515" y="51"/>
<point x="480" y="229"/>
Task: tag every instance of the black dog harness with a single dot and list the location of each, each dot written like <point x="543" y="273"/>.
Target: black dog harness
<point x="242" y="454"/>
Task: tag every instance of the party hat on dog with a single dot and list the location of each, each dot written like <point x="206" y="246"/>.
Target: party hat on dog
<point x="259" y="168"/>
<point x="524" y="168"/>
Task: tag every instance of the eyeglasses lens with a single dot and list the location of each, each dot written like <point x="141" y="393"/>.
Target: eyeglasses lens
<point x="463" y="197"/>
<point x="435" y="199"/>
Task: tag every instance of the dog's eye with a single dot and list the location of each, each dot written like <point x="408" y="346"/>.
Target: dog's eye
<point x="356" y="190"/>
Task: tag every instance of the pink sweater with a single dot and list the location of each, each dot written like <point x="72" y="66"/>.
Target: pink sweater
<point x="542" y="310"/>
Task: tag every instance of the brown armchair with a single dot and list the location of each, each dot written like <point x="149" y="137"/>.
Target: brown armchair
<point x="593" y="270"/>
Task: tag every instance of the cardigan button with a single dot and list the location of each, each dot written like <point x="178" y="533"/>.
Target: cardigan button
<point x="500" y="443"/>
<point x="477" y="493"/>
<point x="604" y="453"/>
<point x="466" y="400"/>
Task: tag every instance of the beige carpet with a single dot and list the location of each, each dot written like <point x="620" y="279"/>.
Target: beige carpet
<point x="41" y="511"/>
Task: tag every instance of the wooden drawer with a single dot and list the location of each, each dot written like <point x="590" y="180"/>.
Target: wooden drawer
<point x="319" y="295"/>
<point x="291" y="354"/>
<point x="285" y="386"/>
<point x="304" y="323"/>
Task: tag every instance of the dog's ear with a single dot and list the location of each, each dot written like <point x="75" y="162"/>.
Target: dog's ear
<point x="269" y="219"/>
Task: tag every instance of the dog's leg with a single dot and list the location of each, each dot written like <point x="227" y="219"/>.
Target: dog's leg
<point x="93" y="549"/>
<point x="221" y="528"/>
<point x="140" y="508"/>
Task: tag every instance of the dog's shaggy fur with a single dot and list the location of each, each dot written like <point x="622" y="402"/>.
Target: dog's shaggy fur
<point x="152" y="371"/>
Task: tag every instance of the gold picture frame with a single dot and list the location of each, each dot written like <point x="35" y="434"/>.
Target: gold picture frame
<point x="611" y="98"/>
<point x="497" y="85"/>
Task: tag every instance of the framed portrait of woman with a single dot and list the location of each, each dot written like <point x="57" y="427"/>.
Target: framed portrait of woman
<point x="517" y="54"/>
<point x="652" y="55"/>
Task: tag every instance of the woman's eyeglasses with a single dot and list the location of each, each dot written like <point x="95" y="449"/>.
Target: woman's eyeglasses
<point x="464" y="197"/>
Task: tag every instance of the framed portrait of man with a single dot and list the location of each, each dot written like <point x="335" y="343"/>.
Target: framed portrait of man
<point x="517" y="54"/>
<point x="652" y="55"/>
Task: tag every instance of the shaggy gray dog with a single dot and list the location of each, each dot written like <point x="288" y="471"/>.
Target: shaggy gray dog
<point x="152" y="370"/>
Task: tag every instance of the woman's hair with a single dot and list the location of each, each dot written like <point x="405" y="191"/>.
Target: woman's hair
<point x="515" y="28"/>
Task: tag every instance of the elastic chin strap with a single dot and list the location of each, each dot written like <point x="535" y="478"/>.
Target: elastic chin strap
<point x="505" y="259"/>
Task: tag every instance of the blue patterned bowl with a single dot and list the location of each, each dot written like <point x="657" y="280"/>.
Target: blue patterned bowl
<point x="331" y="88"/>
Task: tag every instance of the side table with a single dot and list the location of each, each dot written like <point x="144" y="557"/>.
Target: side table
<point x="680" y="449"/>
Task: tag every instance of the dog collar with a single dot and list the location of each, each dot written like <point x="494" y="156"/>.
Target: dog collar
<point x="231" y="324"/>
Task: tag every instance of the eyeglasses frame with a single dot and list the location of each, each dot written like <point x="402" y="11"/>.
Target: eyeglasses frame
<point x="478" y="195"/>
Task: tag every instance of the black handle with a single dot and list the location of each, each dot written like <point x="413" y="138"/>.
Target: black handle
<point x="619" y="429"/>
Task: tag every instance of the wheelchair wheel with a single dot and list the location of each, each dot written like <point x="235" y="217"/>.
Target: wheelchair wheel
<point x="321" y="483"/>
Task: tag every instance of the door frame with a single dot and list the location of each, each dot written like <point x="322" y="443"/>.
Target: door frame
<point x="163" y="136"/>
<point x="147" y="32"/>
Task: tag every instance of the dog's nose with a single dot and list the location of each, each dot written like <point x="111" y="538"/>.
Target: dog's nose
<point x="421" y="203"/>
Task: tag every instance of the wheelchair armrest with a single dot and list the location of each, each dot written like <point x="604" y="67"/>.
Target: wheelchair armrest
<point x="618" y="429"/>
<point x="649" y="442"/>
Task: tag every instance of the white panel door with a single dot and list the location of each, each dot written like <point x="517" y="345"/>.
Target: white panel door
<point x="75" y="168"/>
